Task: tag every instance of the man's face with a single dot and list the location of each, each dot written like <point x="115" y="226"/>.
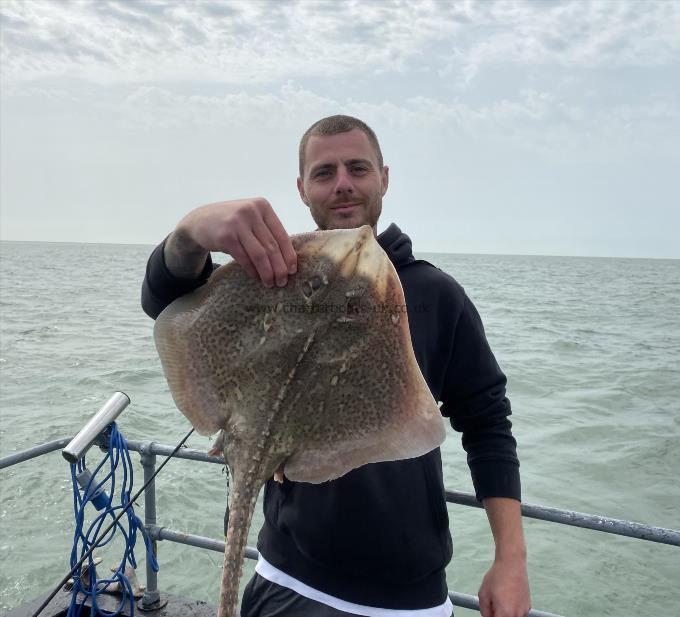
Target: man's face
<point x="343" y="183"/>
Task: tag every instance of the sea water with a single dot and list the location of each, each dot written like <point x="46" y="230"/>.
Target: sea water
<point x="591" y="348"/>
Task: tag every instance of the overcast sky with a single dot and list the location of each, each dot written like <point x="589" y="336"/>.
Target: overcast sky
<point x="509" y="127"/>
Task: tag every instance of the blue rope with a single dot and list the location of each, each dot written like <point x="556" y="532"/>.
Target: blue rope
<point x="100" y="493"/>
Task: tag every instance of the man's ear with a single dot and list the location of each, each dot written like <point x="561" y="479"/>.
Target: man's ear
<point x="385" y="179"/>
<point x="301" y="190"/>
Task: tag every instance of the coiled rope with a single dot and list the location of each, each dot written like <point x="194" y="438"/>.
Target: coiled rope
<point x="101" y="494"/>
<point x="122" y="511"/>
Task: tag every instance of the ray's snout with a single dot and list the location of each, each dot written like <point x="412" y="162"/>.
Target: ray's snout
<point x="364" y="256"/>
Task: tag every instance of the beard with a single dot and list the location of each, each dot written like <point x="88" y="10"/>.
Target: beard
<point x="367" y="213"/>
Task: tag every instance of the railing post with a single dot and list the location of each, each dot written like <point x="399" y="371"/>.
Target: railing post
<point x="152" y="599"/>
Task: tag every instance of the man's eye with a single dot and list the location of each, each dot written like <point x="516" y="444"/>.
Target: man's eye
<point x="359" y="169"/>
<point x="321" y="174"/>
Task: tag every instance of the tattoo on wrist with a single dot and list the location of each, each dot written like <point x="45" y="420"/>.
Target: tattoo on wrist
<point x="183" y="257"/>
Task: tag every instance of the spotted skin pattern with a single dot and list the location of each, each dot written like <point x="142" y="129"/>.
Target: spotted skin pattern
<point x="310" y="380"/>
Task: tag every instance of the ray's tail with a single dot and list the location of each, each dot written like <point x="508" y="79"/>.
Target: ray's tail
<point x="244" y="498"/>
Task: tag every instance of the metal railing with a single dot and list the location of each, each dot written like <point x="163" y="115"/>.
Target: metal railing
<point x="149" y="450"/>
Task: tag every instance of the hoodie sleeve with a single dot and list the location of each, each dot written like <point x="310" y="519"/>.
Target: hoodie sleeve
<point x="161" y="287"/>
<point x="474" y="399"/>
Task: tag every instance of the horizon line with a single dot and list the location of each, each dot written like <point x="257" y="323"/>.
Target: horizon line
<point x="487" y="254"/>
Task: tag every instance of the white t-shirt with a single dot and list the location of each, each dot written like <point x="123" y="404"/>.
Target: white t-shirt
<point x="268" y="571"/>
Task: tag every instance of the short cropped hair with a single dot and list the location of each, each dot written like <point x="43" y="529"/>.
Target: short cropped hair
<point x="334" y="125"/>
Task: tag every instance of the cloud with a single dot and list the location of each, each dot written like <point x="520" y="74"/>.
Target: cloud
<point x="533" y="120"/>
<point x="242" y="42"/>
<point x="151" y="107"/>
<point x="570" y="34"/>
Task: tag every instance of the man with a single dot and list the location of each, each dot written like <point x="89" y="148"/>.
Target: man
<point x="376" y="541"/>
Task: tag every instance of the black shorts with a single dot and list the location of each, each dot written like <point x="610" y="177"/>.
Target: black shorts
<point x="262" y="598"/>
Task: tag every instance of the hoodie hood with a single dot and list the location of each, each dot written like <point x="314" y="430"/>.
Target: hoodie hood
<point x="397" y="245"/>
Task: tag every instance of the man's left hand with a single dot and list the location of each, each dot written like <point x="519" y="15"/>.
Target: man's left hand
<point x="505" y="589"/>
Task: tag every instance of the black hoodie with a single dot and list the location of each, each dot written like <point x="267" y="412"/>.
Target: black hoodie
<point x="379" y="536"/>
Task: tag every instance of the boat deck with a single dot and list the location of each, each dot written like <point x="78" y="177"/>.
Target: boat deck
<point x="177" y="606"/>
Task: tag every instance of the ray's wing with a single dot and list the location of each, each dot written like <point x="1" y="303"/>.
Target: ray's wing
<point x="197" y="344"/>
<point x="361" y="398"/>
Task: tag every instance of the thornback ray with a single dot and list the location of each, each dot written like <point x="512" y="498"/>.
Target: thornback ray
<point x="313" y="379"/>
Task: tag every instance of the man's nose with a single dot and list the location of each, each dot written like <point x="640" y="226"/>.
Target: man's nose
<point x="343" y="182"/>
